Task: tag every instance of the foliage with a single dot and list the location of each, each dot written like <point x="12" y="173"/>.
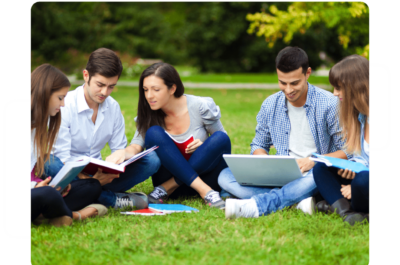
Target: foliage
<point x="210" y="36"/>
<point x="285" y="237"/>
<point x="350" y="21"/>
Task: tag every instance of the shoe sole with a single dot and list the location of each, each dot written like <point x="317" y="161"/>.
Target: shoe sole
<point x="230" y="209"/>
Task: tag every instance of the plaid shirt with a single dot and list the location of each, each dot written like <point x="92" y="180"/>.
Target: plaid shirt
<point x="273" y="124"/>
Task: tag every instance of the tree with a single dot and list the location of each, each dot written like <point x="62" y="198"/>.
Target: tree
<point x="349" y="20"/>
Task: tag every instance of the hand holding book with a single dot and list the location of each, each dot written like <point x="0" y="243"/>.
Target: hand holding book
<point x="193" y="146"/>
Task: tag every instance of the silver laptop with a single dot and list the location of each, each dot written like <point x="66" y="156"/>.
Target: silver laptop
<point x="260" y="170"/>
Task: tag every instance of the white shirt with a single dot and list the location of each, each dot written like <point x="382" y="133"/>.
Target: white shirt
<point x="301" y="140"/>
<point x="78" y="136"/>
<point x="33" y="155"/>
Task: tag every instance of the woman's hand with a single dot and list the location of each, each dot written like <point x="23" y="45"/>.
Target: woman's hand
<point x="117" y="157"/>
<point x="346" y="174"/>
<point x="43" y="183"/>
<point x="66" y="190"/>
<point x="346" y="191"/>
<point x="193" y="146"/>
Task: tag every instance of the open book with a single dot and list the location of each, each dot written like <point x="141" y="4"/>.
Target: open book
<point x="111" y="168"/>
<point x="68" y="172"/>
<point x="339" y="163"/>
<point x="183" y="145"/>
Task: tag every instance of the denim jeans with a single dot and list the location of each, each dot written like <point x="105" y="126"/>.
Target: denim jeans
<point x="134" y="174"/>
<point x="269" y="199"/>
<point x="329" y="184"/>
<point x="206" y="162"/>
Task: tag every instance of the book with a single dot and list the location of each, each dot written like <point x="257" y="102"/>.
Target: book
<point x="68" y="172"/>
<point x="111" y="168"/>
<point x="172" y="208"/>
<point x="339" y="163"/>
<point x="183" y="145"/>
<point x="146" y="212"/>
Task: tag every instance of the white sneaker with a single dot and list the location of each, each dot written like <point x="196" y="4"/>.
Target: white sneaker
<point x="307" y="205"/>
<point x="240" y="208"/>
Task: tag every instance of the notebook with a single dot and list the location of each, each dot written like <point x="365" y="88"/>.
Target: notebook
<point x="263" y="170"/>
<point x="339" y="163"/>
<point x="183" y="145"/>
<point x="172" y="208"/>
<point x="145" y="212"/>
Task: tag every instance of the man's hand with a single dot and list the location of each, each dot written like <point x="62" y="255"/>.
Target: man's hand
<point x="193" y="146"/>
<point x="104" y="178"/>
<point x="346" y="191"/>
<point x="260" y="152"/>
<point x="305" y="164"/>
<point x="346" y="174"/>
<point x="117" y="157"/>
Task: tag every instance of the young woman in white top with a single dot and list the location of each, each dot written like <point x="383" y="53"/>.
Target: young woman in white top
<point x="49" y="86"/>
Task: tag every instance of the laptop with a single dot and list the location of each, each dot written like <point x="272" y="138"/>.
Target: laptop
<point x="260" y="170"/>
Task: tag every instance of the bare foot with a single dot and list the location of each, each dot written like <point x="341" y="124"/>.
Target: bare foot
<point x="85" y="213"/>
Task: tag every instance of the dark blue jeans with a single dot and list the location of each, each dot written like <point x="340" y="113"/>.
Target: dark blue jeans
<point x="206" y="162"/>
<point x="50" y="203"/>
<point x="329" y="184"/>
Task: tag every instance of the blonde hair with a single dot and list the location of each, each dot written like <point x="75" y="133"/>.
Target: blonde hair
<point x="351" y="76"/>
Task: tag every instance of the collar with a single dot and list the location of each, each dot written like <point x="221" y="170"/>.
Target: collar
<point x="82" y="104"/>
<point x="310" y="95"/>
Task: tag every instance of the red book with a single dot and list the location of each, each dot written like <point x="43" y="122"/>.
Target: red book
<point x="111" y="168"/>
<point x="183" y="145"/>
<point x="146" y="211"/>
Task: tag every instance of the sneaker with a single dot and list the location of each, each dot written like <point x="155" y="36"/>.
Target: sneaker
<point x="158" y="196"/>
<point x="307" y="205"/>
<point x="241" y="208"/>
<point x="130" y="200"/>
<point x="213" y="199"/>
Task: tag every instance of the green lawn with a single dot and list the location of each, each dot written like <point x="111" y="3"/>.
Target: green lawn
<point x="270" y="78"/>
<point x="284" y="237"/>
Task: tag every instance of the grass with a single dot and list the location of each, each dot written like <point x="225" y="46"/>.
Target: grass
<point x="285" y="237"/>
<point x="267" y="78"/>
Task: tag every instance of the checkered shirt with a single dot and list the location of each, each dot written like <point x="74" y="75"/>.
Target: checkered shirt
<point x="273" y="124"/>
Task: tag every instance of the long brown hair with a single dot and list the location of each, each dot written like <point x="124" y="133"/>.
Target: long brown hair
<point x="351" y="76"/>
<point x="146" y="116"/>
<point x="45" y="80"/>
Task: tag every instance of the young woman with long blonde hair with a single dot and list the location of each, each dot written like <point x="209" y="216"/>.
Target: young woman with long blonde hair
<point x="350" y="79"/>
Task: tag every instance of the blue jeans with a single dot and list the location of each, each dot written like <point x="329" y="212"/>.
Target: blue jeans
<point x="134" y="174"/>
<point x="329" y="184"/>
<point x="269" y="199"/>
<point x="206" y="162"/>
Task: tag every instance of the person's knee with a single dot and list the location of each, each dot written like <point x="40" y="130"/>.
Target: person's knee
<point x="318" y="171"/>
<point x="153" y="133"/>
<point x="49" y="194"/>
<point x="154" y="162"/>
<point x="222" y="139"/>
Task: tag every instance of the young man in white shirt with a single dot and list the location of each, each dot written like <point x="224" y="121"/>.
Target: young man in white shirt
<point x="90" y="119"/>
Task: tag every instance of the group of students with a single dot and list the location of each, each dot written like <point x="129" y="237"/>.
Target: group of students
<point x="299" y="120"/>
